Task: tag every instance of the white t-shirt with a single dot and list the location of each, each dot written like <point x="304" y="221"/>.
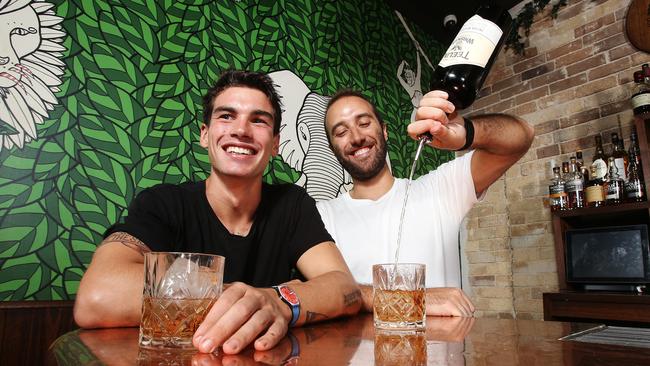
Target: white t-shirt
<point x="366" y="230"/>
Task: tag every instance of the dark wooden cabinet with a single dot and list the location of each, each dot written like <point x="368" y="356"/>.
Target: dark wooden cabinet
<point x="27" y="328"/>
<point x="602" y="307"/>
<point x="571" y="303"/>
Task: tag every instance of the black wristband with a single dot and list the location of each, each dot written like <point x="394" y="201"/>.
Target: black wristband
<point x="469" y="134"/>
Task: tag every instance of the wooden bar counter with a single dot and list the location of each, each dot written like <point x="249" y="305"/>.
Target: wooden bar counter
<point x="353" y="341"/>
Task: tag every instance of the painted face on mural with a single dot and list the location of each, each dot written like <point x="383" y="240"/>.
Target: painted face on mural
<point x="409" y="75"/>
<point x="30" y="44"/>
<point x="240" y="137"/>
<point x="358" y="139"/>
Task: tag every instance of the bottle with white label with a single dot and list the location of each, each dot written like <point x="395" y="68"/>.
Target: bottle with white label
<point x="599" y="162"/>
<point x="641" y="95"/>
<point x="465" y="65"/>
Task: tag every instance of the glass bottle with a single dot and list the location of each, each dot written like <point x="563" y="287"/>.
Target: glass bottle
<point x="599" y="162"/>
<point x="641" y="95"/>
<point x="566" y="176"/>
<point x="613" y="184"/>
<point x="574" y="186"/>
<point x="595" y="192"/>
<point x="620" y="156"/>
<point x="635" y="187"/>
<point x="635" y="153"/>
<point x="464" y="67"/>
<point x="581" y="166"/>
<point x="557" y="192"/>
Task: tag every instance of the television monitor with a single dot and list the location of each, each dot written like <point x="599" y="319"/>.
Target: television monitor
<point x="608" y="255"/>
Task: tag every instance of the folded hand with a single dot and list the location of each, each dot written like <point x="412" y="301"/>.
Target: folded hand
<point x="241" y="315"/>
<point x="448" y="301"/>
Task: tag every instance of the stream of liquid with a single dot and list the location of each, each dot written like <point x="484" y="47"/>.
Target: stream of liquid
<point x="423" y="141"/>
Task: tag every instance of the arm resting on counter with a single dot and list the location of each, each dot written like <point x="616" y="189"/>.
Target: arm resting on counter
<point x="117" y="264"/>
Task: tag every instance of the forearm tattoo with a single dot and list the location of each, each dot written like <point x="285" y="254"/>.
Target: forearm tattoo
<point x="352" y="298"/>
<point x="128" y="241"/>
<point x="314" y="317"/>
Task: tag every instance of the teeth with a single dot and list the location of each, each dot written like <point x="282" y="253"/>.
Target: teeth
<point x="361" y="151"/>
<point x="239" y="150"/>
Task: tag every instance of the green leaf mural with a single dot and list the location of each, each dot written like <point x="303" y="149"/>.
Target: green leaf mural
<point x="126" y="114"/>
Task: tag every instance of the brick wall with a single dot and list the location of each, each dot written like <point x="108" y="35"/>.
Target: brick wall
<point x="573" y="83"/>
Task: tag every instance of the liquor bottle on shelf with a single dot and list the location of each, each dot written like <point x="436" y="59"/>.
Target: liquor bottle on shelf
<point x="613" y="184"/>
<point x="635" y="153"/>
<point x="565" y="177"/>
<point x="620" y="156"/>
<point x="635" y="187"/>
<point x="557" y="192"/>
<point x="464" y="67"/>
<point x="595" y="192"/>
<point x="574" y="186"/>
<point x="641" y="95"/>
<point x="599" y="162"/>
<point x="581" y="166"/>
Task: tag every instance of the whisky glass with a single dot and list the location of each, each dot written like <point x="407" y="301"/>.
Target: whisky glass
<point x="179" y="291"/>
<point x="399" y="296"/>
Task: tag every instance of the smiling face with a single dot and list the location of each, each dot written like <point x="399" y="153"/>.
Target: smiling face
<point x="19" y="31"/>
<point x="239" y="138"/>
<point x="357" y="137"/>
<point x="31" y="44"/>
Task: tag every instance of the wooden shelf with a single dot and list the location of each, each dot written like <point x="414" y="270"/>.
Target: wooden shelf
<point x="604" y="210"/>
<point x="571" y="304"/>
<point x="603" y="307"/>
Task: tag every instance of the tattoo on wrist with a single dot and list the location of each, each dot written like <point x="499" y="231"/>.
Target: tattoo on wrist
<point x="129" y="241"/>
<point x="352" y="298"/>
<point x="313" y="316"/>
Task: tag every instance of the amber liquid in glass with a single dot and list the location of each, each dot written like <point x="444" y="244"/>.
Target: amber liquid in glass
<point x="399" y="306"/>
<point x="171" y="322"/>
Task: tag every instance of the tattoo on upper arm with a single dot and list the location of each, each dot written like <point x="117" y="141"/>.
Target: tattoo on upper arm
<point x="128" y="240"/>
<point x="352" y="298"/>
<point x="312" y="317"/>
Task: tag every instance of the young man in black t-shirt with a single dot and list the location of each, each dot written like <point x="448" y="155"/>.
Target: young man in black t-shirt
<point x="265" y="232"/>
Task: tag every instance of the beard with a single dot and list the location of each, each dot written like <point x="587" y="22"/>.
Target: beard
<point x="361" y="173"/>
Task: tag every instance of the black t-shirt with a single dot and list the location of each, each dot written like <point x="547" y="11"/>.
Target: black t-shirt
<point x="178" y="218"/>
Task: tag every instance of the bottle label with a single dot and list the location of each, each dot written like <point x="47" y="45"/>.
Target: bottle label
<point x="634" y="189"/>
<point x="473" y="44"/>
<point x="620" y="165"/>
<point x="574" y="185"/>
<point x="599" y="168"/>
<point x="557" y="190"/>
<point x="595" y="193"/>
<point x="614" y="191"/>
<point x="640" y="99"/>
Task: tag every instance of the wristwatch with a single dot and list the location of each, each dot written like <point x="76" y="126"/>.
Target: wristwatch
<point x="290" y="298"/>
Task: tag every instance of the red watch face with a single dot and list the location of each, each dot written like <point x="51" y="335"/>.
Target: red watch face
<point x="289" y="295"/>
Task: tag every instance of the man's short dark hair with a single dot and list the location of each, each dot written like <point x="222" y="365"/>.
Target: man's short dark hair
<point x="249" y="79"/>
<point x="349" y="93"/>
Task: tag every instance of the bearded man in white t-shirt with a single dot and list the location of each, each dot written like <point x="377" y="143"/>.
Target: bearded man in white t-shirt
<point x="364" y="221"/>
